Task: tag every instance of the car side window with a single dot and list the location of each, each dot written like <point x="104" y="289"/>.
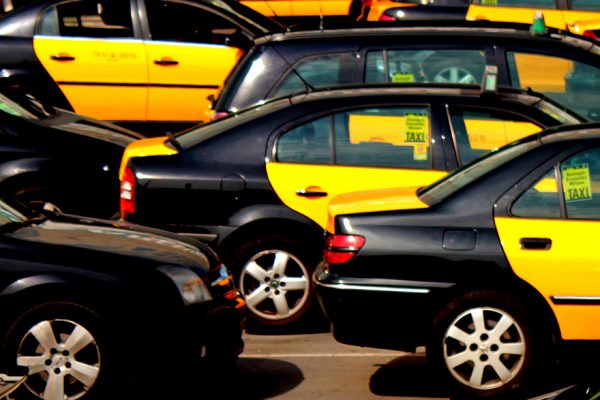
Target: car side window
<point x="317" y="71"/>
<point x="183" y="22"/>
<point x="541" y="200"/>
<point x="95" y="19"/>
<point x="563" y="80"/>
<point x="424" y="66"/>
<point x="378" y="137"/>
<point x="585" y="5"/>
<point x="518" y="3"/>
<point x="580" y="177"/>
<point x="476" y="132"/>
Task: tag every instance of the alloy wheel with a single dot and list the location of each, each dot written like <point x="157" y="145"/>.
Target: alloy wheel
<point x="455" y="75"/>
<point x="275" y="284"/>
<point x="484" y="348"/>
<point x="63" y="359"/>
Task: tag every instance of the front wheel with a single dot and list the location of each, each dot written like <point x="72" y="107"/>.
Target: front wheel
<point x="62" y="347"/>
<point x="483" y="343"/>
<point x="274" y="277"/>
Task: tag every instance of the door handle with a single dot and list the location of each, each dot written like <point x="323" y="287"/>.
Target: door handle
<point x="535" y="243"/>
<point x="166" y="61"/>
<point x="310" y="193"/>
<point x="62" y="57"/>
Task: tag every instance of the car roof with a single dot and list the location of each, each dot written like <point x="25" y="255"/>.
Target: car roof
<point x="429" y="28"/>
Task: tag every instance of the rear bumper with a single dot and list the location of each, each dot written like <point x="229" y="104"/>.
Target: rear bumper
<point x="378" y="313"/>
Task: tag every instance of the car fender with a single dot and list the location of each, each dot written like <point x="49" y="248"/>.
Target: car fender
<point x="23" y="166"/>
<point x="258" y="212"/>
<point x="31" y="282"/>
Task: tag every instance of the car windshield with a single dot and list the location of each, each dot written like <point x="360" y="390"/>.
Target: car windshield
<point x="460" y="178"/>
<point x="24" y="106"/>
<point x="254" y="18"/>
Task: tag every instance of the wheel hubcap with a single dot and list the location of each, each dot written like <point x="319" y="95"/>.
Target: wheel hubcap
<point x="455" y="75"/>
<point x="484" y="348"/>
<point x="275" y="284"/>
<point x="62" y="357"/>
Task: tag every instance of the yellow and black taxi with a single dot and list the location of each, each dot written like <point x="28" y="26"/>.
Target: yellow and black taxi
<point x="494" y="268"/>
<point x="127" y="61"/>
<point x="561" y="14"/>
<point x="417" y="52"/>
<point x="256" y="184"/>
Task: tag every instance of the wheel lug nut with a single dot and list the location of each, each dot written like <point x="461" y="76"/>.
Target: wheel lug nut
<point x="276" y="276"/>
<point x="68" y="365"/>
<point x="484" y="337"/>
<point x="277" y="292"/>
<point x="267" y="289"/>
<point x="65" y="352"/>
<point x="473" y="347"/>
<point x="57" y="371"/>
<point x="282" y="284"/>
<point x="483" y="357"/>
<point x="48" y="362"/>
<point x="494" y="347"/>
<point x="53" y="351"/>
<point x="267" y="279"/>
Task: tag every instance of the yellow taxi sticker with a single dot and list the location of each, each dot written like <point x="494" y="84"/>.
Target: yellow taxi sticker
<point x="576" y="182"/>
<point x="403" y="77"/>
<point x="416" y="129"/>
<point x="421" y="151"/>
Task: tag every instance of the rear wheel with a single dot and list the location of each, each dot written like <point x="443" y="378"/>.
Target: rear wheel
<point x="274" y="276"/>
<point x="483" y="342"/>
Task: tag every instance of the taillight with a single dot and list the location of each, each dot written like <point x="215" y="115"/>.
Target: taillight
<point x="384" y="17"/>
<point x="341" y="248"/>
<point x="591" y="34"/>
<point x="218" y="115"/>
<point x="127" y="193"/>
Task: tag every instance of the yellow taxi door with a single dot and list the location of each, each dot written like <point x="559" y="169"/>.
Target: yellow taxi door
<point x="90" y="52"/>
<point x="557" y="251"/>
<point x="495" y="10"/>
<point x="351" y="151"/>
<point x="187" y="59"/>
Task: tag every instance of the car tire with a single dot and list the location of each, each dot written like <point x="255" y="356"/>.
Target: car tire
<point x="38" y="198"/>
<point x="274" y="274"/>
<point x="480" y="356"/>
<point x="64" y="349"/>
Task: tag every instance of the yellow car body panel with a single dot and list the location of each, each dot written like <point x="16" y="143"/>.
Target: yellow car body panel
<point x="143" y="148"/>
<point x="335" y="180"/>
<point x="380" y="6"/>
<point x="551" y="78"/>
<point x="492" y="134"/>
<point x="182" y="76"/>
<point x="571" y="267"/>
<point x="404" y="198"/>
<point x="299" y="8"/>
<point x="105" y="79"/>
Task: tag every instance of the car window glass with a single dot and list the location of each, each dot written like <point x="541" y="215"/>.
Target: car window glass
<point x="377" y="137"/>
<point x="424" y="66"/>
<point x="586" y="5"/>
<point x="477" y="132"/>
<point x="541" y="200"/>
<point x="308" y="143"/>
<point x="172" y="21"/>
<point x="383" y="137"/>
<point x="318" y="71"/>
<point x="518" y="3"/>
<point x="96" y="19"/>
<point x="580" y="176"/>
<point x="568" y="82"/>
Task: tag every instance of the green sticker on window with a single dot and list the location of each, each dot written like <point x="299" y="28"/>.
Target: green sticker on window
<point x="403" y="77"/>
<point x="416" y="128"/>
<point x="489" y="2"/>
<point x="576" y="182"/>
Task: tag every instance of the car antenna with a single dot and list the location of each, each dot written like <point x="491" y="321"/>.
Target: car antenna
<point x="321" y="19"/>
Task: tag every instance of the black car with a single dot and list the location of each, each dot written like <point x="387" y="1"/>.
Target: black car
<point x="48" y="155"/>
<point x="90" y="306"/>
<point x="494" y="268"/>
<point x="256" y="184"/>
<point x="417" y="52"/>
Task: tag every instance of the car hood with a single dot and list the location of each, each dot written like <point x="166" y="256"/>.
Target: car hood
<point x="405" y="198"/>
<point x="90" y="240"/>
